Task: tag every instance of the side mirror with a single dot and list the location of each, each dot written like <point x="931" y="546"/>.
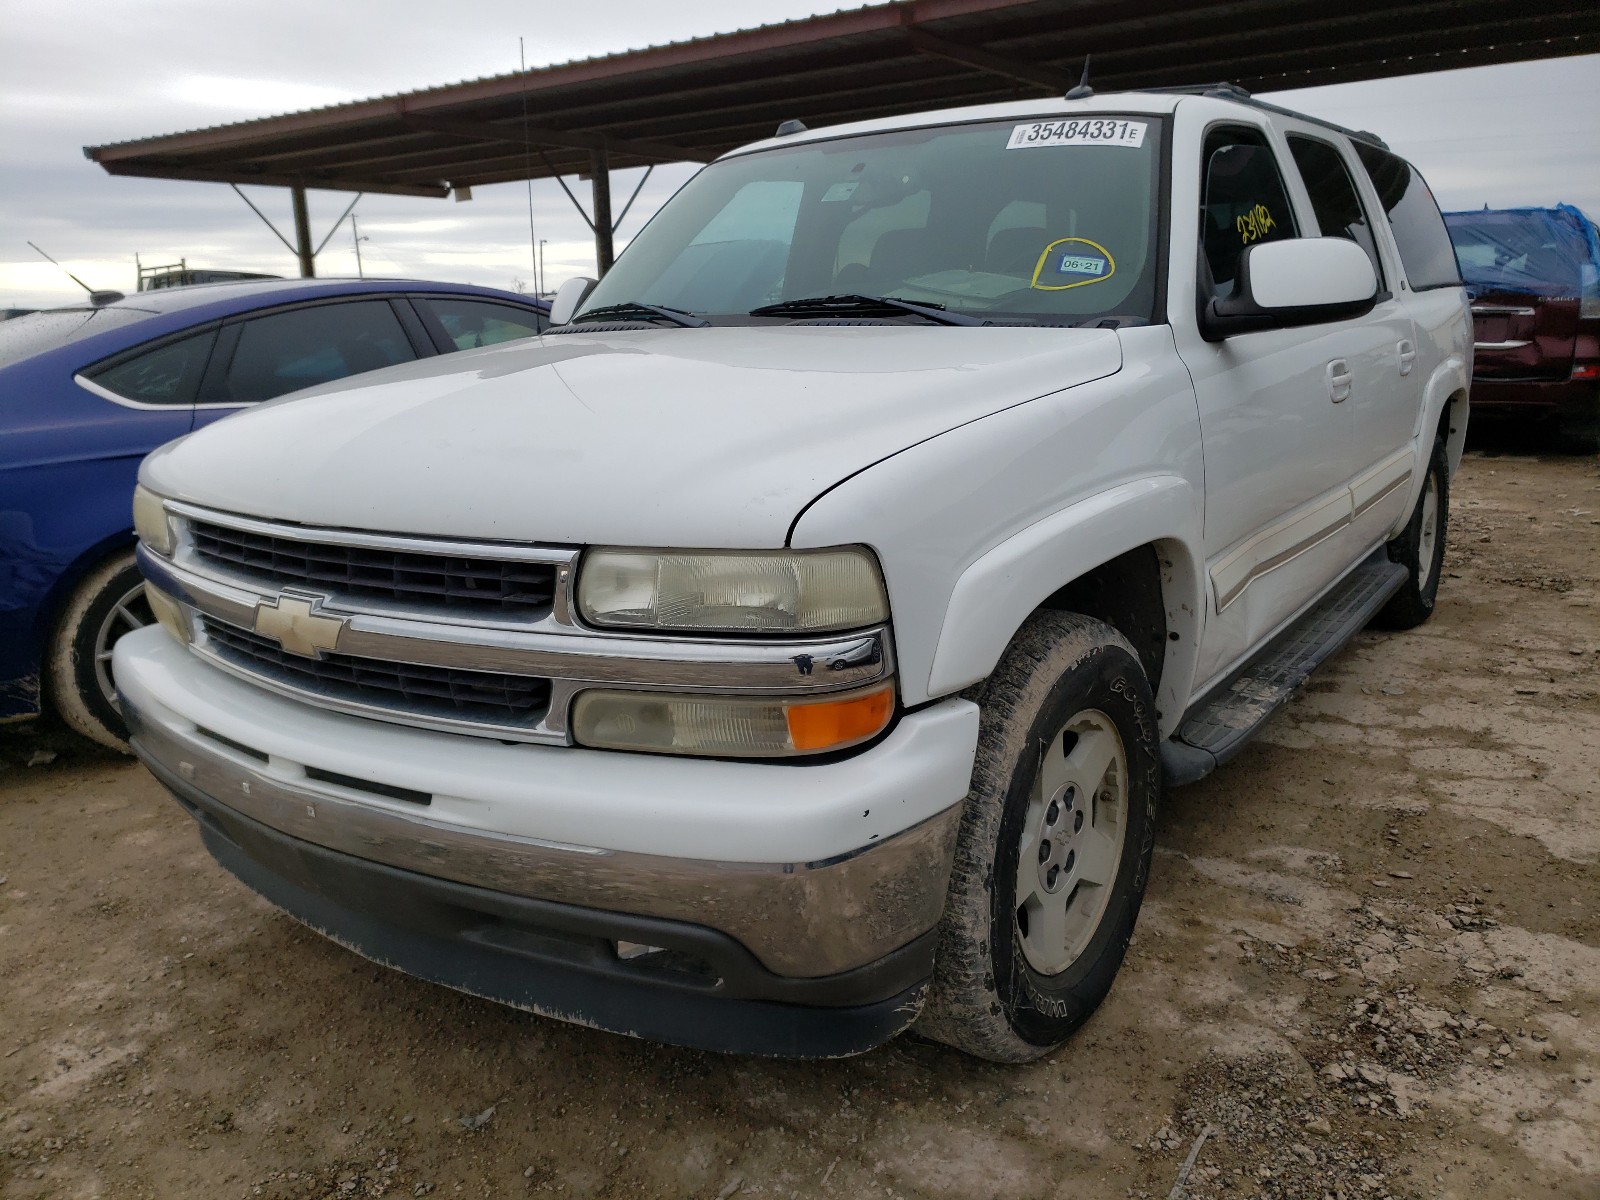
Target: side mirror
<point x="1297" y="281"/>
<point x="568" y="296"/>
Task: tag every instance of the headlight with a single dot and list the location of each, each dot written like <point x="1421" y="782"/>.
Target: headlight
<point x="732" y="591"/>
<point x="150" y="521"/>
<point x="730" y="726"/>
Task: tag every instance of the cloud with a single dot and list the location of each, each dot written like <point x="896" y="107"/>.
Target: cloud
<point x="1515" y="134"/>
<point x="252" y="96"/>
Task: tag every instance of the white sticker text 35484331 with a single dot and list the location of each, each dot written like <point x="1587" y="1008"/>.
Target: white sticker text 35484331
<point x="1086" y="131"/>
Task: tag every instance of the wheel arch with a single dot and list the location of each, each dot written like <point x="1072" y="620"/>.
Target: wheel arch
<point x="1452" y="427"/>
<point x="84" y="564"/>
<point x="1444" y="411"/>
<point x="33" y="623"/>
<point x="1128" y="557"/>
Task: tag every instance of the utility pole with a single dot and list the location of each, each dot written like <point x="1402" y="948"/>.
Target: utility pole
<point x="355" y="236"/>
<point x="539" y="279"/>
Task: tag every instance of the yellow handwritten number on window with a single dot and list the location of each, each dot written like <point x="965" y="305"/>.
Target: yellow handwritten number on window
<point x="1255" y="224"/>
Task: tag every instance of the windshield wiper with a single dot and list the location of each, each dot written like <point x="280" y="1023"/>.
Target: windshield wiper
<point x="854" y="304"/>
<point x="639" y="310"/>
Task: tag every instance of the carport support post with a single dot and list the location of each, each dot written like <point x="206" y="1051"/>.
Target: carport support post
<point x="302" y="233"/>
<point x="600" y="175"/>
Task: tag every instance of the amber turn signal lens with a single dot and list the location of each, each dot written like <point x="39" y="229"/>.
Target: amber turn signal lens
<point x="729" y="726"/>
<point x="824" y="724"/>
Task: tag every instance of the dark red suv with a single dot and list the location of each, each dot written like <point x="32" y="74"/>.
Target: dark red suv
<point x="1534" y="278"/>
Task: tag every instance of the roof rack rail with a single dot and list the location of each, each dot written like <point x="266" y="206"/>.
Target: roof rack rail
<point x="1223" y="90"/>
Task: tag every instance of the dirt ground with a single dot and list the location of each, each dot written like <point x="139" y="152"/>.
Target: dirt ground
<point x="1369" y="966"/>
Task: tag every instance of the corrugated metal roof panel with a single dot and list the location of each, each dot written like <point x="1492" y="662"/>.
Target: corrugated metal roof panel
<point x="696" y="98"/>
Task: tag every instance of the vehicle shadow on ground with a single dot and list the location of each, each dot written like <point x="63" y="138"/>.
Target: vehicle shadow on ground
<point x="1502" y="437"/>
<point x="44" y="740"/>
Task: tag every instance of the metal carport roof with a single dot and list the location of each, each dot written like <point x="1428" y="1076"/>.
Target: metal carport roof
<point x="693" y="100"/>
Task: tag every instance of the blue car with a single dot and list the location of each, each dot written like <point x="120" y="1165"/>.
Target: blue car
<point x="85" y="393"/>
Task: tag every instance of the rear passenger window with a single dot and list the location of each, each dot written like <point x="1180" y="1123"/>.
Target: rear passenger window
<point x="286" y="351"/>
<point x="473" y="323"/>
<point x="168" y="374"/>
<point x="1243" y="201"/>
<point x="1419" y="230"/>
<point x="1333" y="195"/>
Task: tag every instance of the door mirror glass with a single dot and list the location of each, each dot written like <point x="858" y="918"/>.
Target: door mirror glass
<point x="1298" y="281"/>
<point x="568" y="296"/>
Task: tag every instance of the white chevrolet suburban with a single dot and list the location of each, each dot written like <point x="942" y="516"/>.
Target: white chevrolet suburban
<point x="792" y="645"/>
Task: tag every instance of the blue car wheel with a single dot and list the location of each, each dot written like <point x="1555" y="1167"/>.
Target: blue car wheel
<point x="108" y="604"/>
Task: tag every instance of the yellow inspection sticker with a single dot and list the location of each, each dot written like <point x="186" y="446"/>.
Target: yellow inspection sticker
<point x="1072" y="262"/>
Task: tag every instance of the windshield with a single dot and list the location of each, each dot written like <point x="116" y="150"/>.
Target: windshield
<point x="1050" y="221"/>
<point x="41" y="331"/>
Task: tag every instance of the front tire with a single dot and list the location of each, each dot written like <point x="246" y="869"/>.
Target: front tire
<point x="1420" y="549"/>
<point x="1055" y="844"/>
<point x="107" y="604"/>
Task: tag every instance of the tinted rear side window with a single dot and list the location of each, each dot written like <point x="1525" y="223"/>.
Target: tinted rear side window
<point x="1419" y="232"/>
<point x="41" y="331"/>
<point x="168" y="374"/>
<point x="1333" y="195"/>
<point x="286" y="351"/>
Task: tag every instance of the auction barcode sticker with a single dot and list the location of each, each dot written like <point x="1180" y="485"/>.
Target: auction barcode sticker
<point x="1083" y="131"/>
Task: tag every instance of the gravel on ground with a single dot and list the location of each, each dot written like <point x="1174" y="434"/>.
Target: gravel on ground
<point x="1369" y="966"/>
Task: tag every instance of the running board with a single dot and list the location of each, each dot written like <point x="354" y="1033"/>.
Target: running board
<point x="1224" y="722"/>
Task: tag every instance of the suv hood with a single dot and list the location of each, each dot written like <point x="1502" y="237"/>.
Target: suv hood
<point x="679" y="437"/>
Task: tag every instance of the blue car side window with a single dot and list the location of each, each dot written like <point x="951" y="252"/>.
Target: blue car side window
<point x="473" y="323"/>
<point x="167" y="374"/>
<point x="286" y="351"/>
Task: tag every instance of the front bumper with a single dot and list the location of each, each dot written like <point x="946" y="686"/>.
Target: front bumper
<point x="513" y="871"/>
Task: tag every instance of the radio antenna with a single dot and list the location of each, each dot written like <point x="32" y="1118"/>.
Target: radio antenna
<point x="1083" y="91"/>
<point x="527" y="165"/>
<point x="64" y="271"/>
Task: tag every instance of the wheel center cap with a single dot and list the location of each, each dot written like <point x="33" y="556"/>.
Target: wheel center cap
<point x="1063" y="820"/>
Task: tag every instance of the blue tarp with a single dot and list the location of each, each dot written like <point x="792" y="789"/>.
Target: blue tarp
<point x="1536" y="251"/>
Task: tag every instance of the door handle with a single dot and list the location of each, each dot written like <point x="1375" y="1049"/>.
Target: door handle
<point x="1339" y="380"/>
<point x="1408" y="357"/>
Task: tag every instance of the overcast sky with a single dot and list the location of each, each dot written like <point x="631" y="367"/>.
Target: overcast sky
<point x="96" y="71"/>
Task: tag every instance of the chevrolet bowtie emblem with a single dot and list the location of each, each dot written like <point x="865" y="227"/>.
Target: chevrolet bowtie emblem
<point x="293" y="622"/>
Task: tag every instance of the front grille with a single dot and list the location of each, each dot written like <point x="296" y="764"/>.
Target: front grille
<point x="419" y="580"/>
<point x="481" y="696"/>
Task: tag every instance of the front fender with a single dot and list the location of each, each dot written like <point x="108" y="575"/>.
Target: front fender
<point x="1010" y="508"/>
<point x="994" y="595"/>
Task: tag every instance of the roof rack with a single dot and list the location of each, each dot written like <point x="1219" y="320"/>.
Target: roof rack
<point x="1224" y="90"/>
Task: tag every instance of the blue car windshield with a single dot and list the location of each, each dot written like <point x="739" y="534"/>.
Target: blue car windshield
<point x="35" y="333"/>
<point x="1026" y="221"/>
